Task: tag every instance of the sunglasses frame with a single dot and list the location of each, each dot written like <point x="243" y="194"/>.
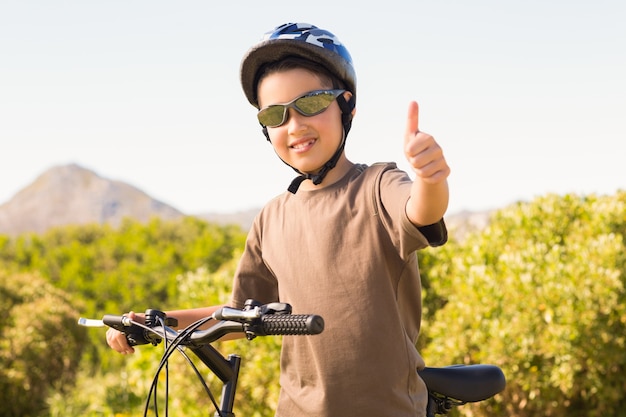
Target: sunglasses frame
<point x="292" y="105"/>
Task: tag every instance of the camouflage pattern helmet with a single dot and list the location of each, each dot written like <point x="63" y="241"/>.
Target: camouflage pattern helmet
<point x="302" y="40"/>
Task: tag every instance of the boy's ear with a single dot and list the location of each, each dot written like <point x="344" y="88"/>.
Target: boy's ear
<point x="347" y="95"/>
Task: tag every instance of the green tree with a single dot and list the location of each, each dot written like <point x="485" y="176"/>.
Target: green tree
<point x="540" y="293"/>
<point x="134" y="266"/>
<point x="122" y="391"/>
<point x="130" y="267"/>
<point x="40" y="344"/>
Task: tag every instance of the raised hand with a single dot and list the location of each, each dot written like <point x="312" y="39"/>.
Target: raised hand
<point x="422" y="151"/>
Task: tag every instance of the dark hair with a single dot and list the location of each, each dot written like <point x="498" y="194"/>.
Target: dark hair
<point x="295" y="62"/>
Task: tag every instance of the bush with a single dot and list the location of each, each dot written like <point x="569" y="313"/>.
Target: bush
<point x="540" y="293"/>
<point x="40" y="343"/>
<point x="122" y="390"/>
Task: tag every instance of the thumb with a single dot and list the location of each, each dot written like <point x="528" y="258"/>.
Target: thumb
<point x="412" y="123"/>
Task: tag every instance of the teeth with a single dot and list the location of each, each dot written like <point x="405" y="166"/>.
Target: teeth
<point x="303" y="145"/>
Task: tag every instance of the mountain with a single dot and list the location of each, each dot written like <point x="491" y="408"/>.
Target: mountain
<point x="71" y="194"/>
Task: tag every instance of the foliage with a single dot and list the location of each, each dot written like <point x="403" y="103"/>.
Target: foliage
<point x="135" y="263"/>
<point x="117" y="270"/>
<point x="40" y="344"/>
<point x="540" y="293"/>
<point x="123" y="393"/>
<point x="112" y="271"/>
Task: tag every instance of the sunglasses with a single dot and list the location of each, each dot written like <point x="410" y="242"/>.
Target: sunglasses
<point x="310" y="104"/>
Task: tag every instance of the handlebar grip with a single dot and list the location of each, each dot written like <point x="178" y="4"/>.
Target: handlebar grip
<point x="291" y="324"/>
<point x="135" y="335"/>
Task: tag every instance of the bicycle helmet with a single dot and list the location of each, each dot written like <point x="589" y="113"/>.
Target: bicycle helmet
<point x="314" y="44"/>
<point x="299" y="39"/>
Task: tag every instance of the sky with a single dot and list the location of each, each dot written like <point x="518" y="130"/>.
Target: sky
<point x="525" y="97"/>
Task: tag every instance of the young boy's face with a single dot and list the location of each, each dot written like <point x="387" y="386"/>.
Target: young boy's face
<point x="305" y="143"/>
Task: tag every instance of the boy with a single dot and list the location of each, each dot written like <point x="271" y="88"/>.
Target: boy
<point x="341" y="241"/>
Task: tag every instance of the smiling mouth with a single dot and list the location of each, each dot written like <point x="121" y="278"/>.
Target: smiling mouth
<point x="303" y="145"/>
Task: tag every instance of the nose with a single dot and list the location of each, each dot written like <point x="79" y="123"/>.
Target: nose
<point x="295" y="121"/>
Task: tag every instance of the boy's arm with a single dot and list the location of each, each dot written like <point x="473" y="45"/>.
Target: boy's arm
<point x="190" y="316"/>
<point x="429" y="193"/>
<point x="117" y="340"/>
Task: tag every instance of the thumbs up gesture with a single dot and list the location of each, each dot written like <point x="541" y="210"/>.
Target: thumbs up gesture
<point x="423" y="152"/>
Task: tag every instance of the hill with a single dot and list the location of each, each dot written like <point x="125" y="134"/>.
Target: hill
<point x="71" y="194"/>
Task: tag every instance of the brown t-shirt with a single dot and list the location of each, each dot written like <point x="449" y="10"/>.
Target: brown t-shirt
<point x="347" y="253"/>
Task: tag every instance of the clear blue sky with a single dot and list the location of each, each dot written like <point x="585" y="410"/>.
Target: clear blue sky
<point x="526" y="97"/>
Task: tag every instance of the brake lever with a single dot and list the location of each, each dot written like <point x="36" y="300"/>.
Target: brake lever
<point x="276" y="308"/>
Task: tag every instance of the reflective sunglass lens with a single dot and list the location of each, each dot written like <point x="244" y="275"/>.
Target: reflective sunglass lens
<point x="312" y="105"/>
<point x="272" y="116"/>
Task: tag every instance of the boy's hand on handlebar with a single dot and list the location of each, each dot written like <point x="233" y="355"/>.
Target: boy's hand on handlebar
<point x="117" y="340"/>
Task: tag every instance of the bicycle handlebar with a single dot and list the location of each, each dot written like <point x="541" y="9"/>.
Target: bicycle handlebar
<point x="254" y="320"/>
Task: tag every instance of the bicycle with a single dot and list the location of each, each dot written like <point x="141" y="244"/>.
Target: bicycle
<point x="447" y="386"/>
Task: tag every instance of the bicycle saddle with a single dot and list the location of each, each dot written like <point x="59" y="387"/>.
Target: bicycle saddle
<point x="467" y="383"/>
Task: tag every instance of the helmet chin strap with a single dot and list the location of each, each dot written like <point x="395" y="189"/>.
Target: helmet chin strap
<point x="346" y="108"/>
<point x="321" y="174"/>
